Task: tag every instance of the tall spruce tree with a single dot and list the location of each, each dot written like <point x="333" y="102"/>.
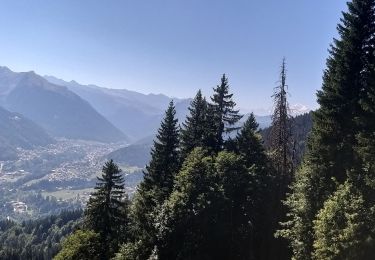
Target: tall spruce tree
<point x="224" y="116"/>
<point x="250" y="146"/>
<point x="193" y="129"/>
<point x="165" y="160"/>
<point x="157" y="184"/>
<point x="332" y="159"/>
<point x="106" y="212"/>
<point x="366" y="122"/>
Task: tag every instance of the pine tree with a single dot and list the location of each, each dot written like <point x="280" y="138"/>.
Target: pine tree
<point x="210" y="128"/>
<point x="332" y="159"/>
<point x="249" y="143"/>
<point x="366" y="122"/>
<point x="165" y="160"/>
<point x="250" y="146"/>
<point x="224" y="115"/>
<point x="106" y="209"/>
<point x="193" y="130"/>
<point x="157" y="184"/>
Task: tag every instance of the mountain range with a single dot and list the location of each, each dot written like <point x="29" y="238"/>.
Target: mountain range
<point x="61" y="112"/>
<point x="67" y="109"/>
<point x="16" y="131"/>
<point x="137" y="115"/>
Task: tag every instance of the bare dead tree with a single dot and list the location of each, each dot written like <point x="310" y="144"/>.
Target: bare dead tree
<point x="281" y="143"/>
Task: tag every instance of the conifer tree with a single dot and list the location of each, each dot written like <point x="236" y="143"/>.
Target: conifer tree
<point x="193" y="129"/>
<point x="106" y="212"/>
<point x="366" y="122"/>
<point x="210" y="128"/>
<point x="224" y="115"/>
<point x="249" y="143"/>
<point x="332" y="158"/>
<point x="165" y="160"/>
<point x="157" y="184"/>
<point x="250" y="146"/>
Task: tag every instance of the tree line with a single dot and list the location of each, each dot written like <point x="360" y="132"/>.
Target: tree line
<point x="208" y="191"/>
<point x="212" y="191"/>
<point x="37" y="239"/>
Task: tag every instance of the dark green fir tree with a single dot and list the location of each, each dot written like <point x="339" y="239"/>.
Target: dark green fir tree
<point x="332" y="167"/>
<point x="193" y="129"/>
<point x="156" y="186"/>
<point x="250" y="144"/>
<point x="106" y="212"/>
<point x="224" y="115"/>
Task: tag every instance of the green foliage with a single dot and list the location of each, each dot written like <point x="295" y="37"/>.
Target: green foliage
<point x="211" y="207"/>
<point x="222" y="114"/>
<point x="190" y="211"/>
<point x="302" y="206"/>
<point x="165" y="157"/>
<point x="83" y="245"/>
<point x="106" y="212"/>
<point x="344" y="227"/>
<point x="131" y="251"/>
<point x="249" y="144"/>
<point x="157" y="184"/>
<point x="36" y="239"/>
<point x="339" y="148"/>
<point x="193" y="129"/>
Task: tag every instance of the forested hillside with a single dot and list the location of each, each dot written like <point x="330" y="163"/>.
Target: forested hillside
<point x="204" y="195"/>
<point x="16" y="131"/>
<point x="209" y="195"/>
<point x="36" y="239"/>
<point x="214" y="188"/>
<point x="300" y="129"/>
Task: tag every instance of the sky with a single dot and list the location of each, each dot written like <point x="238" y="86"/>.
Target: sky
<point x="175" y="47"/>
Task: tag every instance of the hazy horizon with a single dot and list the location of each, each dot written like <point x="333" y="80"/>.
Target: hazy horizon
<point x="175" y="48"/>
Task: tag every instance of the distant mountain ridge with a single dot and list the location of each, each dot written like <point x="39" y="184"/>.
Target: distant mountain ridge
<point x="136" y="114"/>
<point x="57" y="109"/>
<point x="18" y="131"/>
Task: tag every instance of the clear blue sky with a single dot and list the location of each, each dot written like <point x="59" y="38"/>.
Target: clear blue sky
<point x="174" y="46"/>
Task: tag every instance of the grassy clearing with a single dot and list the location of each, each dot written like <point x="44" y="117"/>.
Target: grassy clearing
<point x="68" y="194"/>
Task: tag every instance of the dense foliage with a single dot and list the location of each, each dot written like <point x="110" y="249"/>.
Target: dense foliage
<point x="213" y="190"/>
<point x="36" y="239"/>
<point x="205" y="195"/>
<point x="332" y="200"/>
<point x="83" y="245"/>
<point x="106" y="212"/>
